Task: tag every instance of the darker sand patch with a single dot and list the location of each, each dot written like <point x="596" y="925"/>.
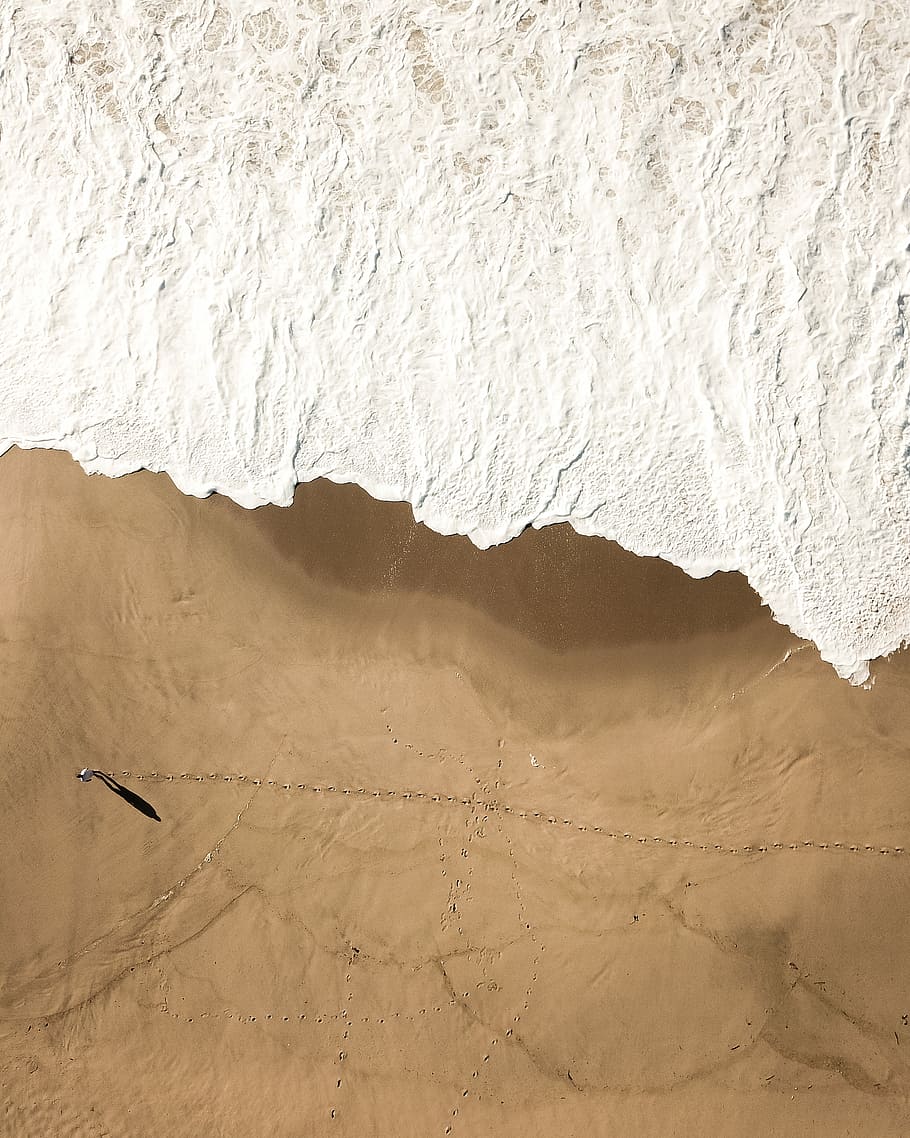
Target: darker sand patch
<point x="561" y="588"/>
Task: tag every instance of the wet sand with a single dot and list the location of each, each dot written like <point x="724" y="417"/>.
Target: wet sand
<point x="546" y="838"/>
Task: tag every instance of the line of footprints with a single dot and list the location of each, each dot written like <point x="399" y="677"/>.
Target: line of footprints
<point x="477" y="822"/>
<point x="502" y="808"/>
<point x="481" y="807"/>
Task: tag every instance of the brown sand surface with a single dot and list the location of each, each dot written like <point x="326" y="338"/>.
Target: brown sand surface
<point x="546" y="839"/>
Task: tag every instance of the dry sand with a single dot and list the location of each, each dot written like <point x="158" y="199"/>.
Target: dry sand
<point x="544" y="839"/>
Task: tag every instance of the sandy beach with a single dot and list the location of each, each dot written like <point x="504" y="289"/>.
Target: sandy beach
<point x="541" y="839"/>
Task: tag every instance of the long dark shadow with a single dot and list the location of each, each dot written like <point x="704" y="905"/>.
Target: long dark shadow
<point x="129" y="796"/>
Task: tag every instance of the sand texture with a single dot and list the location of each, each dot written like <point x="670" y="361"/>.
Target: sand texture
<point x="545" y="839"/>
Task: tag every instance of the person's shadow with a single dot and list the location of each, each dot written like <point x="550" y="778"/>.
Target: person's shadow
<point x="129" y="796"/>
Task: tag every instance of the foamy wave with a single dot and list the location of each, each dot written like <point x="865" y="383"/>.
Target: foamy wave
<point x="637" y="267"/>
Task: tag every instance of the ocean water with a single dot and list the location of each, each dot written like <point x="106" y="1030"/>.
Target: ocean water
<point x="639" y="266"/>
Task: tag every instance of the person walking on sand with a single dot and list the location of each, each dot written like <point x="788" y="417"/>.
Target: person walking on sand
<point x="130" y="796"/>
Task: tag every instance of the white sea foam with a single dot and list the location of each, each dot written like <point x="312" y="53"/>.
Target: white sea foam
<point x="641" y="267"/>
